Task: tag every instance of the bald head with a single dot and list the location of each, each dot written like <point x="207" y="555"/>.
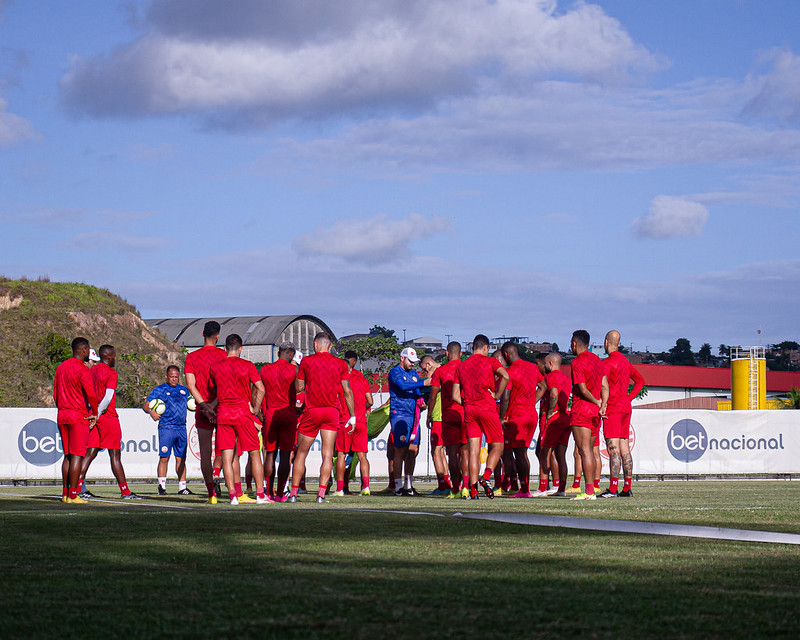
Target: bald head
<point x="611" y="342"/>
<point x="553" y="361"/>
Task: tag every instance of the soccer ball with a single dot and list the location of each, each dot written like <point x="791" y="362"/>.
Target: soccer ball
<point x="158" y="406"/>
<point x="191" y="404"/>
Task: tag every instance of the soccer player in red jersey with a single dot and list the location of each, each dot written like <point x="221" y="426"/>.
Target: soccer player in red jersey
<point x="197" y="367"/>
<point x="239" y="394"/>
<point x="280" y="416"/>
<point x="434" y="424"/>
<point x="323" y="377"/>
<point x="452" y="418"/>
<point x="616" y="412"/>
<point x="518" y="412"/>
<point x="587" y="382"/>
<point x="76" y="400"/>
<point x="474" y="388"/>
<point x="107" y="433"/>
<point x="554" y="438"/>
<point x="357" y="441"/>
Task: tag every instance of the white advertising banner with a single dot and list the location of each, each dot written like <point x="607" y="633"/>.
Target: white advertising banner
<point x="664" y="442"/>
<point x="30" y="448"/>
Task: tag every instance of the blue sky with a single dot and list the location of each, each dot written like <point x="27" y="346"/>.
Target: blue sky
<point x="508" y="167"/>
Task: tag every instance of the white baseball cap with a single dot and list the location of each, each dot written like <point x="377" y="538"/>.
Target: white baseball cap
<point x="93" y="356"/>
<point x="409" y="353"/>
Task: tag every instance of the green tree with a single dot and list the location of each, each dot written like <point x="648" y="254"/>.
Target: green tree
<point x="724" y="350"/>
<point x="554" y="347"/>
<point x="681" y="353"/>
<point x="377" y="354"/>
<point x="705" y="353"/>
<point x="792" y="400"/>
<point x="378" y="330"/>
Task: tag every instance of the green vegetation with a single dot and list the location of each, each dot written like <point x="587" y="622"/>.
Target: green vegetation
<point x="39" y="319"/>
<point x="309" y="571"/>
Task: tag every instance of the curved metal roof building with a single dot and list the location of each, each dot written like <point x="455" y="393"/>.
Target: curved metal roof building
<point x="261" y="335"/>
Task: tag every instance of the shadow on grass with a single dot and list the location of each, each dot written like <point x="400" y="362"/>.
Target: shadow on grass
<point x="319" y="573"/>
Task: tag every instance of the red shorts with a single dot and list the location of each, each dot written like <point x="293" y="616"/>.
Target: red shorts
<point x="483" y="422"/>
<point x="452" y="423"/>
<point x="617" y="425"/>
<point x="280" y="429"/>
<point x="587" y="422"/>
<point x="556" y="433"/>
<point x="517" y="430"/>
<point x="243" y="432"/>
<point x="360" y="438"/>
<point x="107" y="434"/>
<point x="436" y="434"/>
<point x="312" y="420"/>
<point x="344" y="440"/>
<point x="74" y="430"/>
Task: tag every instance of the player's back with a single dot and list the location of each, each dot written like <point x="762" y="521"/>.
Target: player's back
<point x="199" y="364"/>
<point x="444" y="378"/>
<point x="71" y="385"/>
<point x="323" y="373"/>
<point x="557" y="380"/>
<point x="279" y="388"/>
<point x="524" y="380"/>
<point x="475" y="377"/>
<point x="105" y="377"/>
<point x="232" y="378"/>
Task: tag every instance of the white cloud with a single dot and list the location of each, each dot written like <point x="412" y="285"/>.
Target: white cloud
<point x="13" y="128"/>
<point x="375" y="240"/>
<point x="777" y="93"/>
<point x="671" y="217"/>
<point x="402" y="55"/>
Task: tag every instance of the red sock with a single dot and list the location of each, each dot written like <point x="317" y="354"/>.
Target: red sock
<point x="237" y="489"/>
<point x="293" y="490"/>
<point x="446" y="480"/>
<point x="440" y="486"/>
<point x="365" y="483"/>
<point x="321" y="492"/>
<point x="260" y="494"/>
<point x="216" y="472"/>
<point x="249" y="480"/>
<point x="64" y="492"/>
<point x="576" y="482"/>
<point x="613" y="484"/>
<point x="123" y="489"/>
<point x="597" y="483"/>
<point x="271" y="486"/>
<point x="590" y="488"/>
<point x="626" y="484"/>
<point x="542" y="484"/>
<point x="465" y="482"/>
<point x="557" y="483"/>
<point x="73" y="493"/>
<point x="487" y="473"/>
<point x="210" y="489"/>
<point x="340" y="485"/>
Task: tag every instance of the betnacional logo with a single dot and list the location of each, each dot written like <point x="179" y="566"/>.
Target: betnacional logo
<point x="687" y="441"/>
<point x="40" y="443"/>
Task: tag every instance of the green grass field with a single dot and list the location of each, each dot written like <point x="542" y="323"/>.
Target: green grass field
<point x="174" y="567"/>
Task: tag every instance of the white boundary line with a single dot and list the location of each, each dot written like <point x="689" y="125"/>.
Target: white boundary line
<point x="146" y="502"/>
<point x="630" y="526"/>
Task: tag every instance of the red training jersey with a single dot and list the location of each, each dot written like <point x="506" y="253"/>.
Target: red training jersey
<point x="105" y="377"/>
<point x="524" y="378"/>
<point x="444" y="377"/>
<point x="619" y="372"/>
<point x="587" y="368"/>
<point x="323" y="373"/>
<point x="199" y="363"/>
<point x="278" y="379"/>
<point x="232" y="378"/>
<point x="73" y="390"/>
<point x="557" y="380"/>
<point x="360" y="388"/>
<point x="476" y="378"/>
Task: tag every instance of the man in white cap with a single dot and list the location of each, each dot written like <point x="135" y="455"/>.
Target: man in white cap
<point x="404" y="390"/>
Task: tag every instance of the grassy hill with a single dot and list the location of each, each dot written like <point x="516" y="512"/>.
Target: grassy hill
<point x="39" y="319"/>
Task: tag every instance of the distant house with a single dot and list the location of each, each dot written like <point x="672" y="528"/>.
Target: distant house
<point x="428" y="343"/>
<point x="261" y="335"/>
